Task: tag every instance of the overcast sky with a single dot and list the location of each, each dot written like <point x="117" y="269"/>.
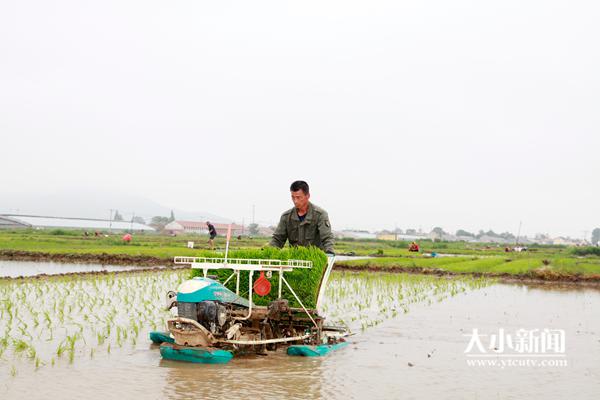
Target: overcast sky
<point x="462" y="114"/>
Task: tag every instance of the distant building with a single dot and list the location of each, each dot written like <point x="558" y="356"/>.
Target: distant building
<point x="442" y="236"/>
<point x="448" y="237"/>
<point x="567" y="241"/>
<point x="387" y="235"/>
<point x="266" y="231"/>
<point x="43" y="222"/>
<point x="8" y="222"/>
<point x="350" y="234"/>
<point x="465" y="238"/>
<point x="187" y="227"/>
<point x="201" y="228"/>
<point x="501" y="240"/>
<point x="410" y="238"/>
<point x="492" y="239"/>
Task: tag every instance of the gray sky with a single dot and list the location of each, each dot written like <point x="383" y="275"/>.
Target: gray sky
<point x="463" y="114"/>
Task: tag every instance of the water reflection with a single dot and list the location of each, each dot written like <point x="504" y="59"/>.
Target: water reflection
<point x="13" y="269"/>
<point x="274" y="377"/>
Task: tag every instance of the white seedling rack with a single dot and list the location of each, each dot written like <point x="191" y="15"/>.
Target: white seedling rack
<point x="243" y="264"/>
<point x="251" y="265"/>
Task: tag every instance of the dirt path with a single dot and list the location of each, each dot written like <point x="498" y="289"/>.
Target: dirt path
<point x="83" y="258"/>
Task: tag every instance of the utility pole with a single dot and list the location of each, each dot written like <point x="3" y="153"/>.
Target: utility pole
<point x="131" y="225"/>
<point x="518" y="234"/>
<point x="110" y="221"/>
<point x="253" y="212"/>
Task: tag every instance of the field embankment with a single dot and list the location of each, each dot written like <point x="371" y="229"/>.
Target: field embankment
<point x="513" y="267"/>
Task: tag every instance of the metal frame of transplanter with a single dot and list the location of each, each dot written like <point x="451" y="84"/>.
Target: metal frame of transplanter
<point x="252" y="265"/>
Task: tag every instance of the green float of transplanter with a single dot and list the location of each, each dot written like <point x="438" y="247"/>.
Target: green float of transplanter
<point x="305" y="282"/>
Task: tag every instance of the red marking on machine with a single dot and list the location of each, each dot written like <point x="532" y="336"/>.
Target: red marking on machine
<point x="262" y="286"/>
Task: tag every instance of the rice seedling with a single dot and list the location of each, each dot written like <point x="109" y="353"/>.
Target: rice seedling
<point x="20" y="345"/>
<point x="60" y="349"/>
<point x="31" y="352"/>
<point x="365" y="300"/>
<point x="136" y="329"/>
<point x="304" y="281"/>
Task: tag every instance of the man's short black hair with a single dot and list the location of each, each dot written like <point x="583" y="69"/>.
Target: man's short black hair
<point x="299" y="185"/>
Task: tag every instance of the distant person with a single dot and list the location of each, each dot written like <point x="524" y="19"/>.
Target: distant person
<point x="414" y="247"/>
<point x="305" y="224"/>
<point x="212" y="232"/>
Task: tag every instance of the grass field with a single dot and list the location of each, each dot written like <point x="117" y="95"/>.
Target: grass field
<point x="142" y="244"/>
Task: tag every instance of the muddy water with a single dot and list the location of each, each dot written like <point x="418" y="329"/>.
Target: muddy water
<point x="408" y="347"/>
<point x="13" y="269"/>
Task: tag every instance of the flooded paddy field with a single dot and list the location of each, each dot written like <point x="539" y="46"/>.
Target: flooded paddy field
<point x="14" y="269"/>
<point x="87" y="337"/>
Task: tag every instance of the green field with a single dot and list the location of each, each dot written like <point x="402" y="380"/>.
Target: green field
<point x="467" y="257"/>
<point x="512" y="264"/>
<point x="68" y="242"/>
